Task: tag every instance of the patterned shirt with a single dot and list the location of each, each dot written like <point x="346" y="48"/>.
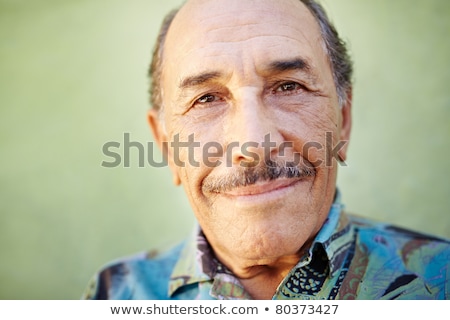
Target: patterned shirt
<point x="350" y="258"/>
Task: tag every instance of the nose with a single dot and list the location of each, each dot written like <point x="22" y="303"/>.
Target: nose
<point x="253" y="132"/>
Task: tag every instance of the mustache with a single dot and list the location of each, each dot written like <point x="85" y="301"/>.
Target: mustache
<point x="247" y="176"/>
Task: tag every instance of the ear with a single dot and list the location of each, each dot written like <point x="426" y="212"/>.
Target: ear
<point x="161" y="139"/>
<point x="346" y="124"/>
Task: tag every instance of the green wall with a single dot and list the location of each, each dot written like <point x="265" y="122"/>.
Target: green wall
<point x="73" y="77"/>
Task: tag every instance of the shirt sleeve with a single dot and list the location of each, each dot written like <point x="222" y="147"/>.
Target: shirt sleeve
<point x="91" y="290"/>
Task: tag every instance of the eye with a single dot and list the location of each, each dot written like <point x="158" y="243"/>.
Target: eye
<point x="288" y="87"/>
<point x="207" y="98"/>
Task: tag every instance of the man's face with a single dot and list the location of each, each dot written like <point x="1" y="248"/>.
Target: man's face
<point x="246" y="81"/>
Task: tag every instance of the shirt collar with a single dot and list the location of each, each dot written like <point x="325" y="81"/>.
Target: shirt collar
<point x="188" y="270"/>
<point x="335" y="236"/>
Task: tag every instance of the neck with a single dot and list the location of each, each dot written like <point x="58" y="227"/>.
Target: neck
<point x="263" y="283"/>
<point x="262" y="277"/>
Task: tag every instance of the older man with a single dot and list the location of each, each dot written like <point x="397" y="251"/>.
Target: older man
<point x="251" y="106"/>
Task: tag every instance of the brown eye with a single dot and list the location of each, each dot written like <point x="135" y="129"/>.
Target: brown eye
<point x="207" y="98"/>
<point x="288" y="86"/>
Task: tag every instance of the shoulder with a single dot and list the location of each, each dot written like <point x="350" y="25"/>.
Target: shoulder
<point x="374" y="235"/>
<point x="394" y="255"/>
<point x="378" y="231"/>
<point x="141" y="276"/>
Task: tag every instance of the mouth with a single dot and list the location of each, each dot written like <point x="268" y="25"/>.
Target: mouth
<point x="259" y="185"/>
<point x="265" y="191"/>
<point x="262" y="187"/>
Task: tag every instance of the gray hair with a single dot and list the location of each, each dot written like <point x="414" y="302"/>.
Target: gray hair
<point x="335" y="47"/>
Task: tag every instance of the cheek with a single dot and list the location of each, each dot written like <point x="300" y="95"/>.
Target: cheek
<point x="193" y="153"/>
<point x="312" y="129"/>
<point x="199" y="138"/>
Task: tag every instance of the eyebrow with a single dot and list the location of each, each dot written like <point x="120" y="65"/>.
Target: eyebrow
<point x="289" y="65"/>
<point x="199" y="79"/>
<point x="295" y="64"/>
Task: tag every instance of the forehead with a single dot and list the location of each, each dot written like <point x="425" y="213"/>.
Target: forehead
<point x="212" y="33"/>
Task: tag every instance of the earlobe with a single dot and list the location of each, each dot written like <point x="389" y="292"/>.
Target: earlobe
<point x="157" y="130"/>
<point x="160" y="137"/>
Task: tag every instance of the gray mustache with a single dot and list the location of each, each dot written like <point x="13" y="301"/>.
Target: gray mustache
<point x="247" y="176"/>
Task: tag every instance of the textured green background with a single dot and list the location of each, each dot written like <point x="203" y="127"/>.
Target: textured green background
<point x="73" y="76"/>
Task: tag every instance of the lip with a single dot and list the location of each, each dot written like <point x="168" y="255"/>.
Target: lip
<point x="262" y="187"/>
<point x="262" y="192"/>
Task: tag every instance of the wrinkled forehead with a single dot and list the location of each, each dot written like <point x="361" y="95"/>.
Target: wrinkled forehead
<point x="204" y="29"/>
<point x="200" y="22"/>
<point x="204" y="13"/>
